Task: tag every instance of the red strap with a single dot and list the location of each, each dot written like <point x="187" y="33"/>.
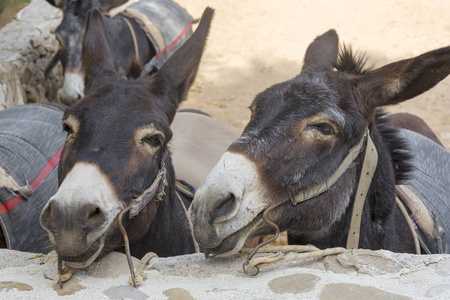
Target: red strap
<point x="176" y="40"/>
<point x="46" y="170"/>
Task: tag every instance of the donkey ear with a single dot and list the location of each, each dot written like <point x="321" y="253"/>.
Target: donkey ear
<point x="404" y="79"/>
<point x="96" y="56"/>
<point x="322" y="53"/>
<point x="58" y="3"/>
<point x="179" y="71"/>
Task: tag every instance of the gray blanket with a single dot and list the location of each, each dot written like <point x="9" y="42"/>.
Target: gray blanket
<point x="431" y="177"/>
<point x="30" y="138"/>
<point x="166" y="24"/>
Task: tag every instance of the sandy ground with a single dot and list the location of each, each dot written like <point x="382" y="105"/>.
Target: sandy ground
<point x="255" y="44"/>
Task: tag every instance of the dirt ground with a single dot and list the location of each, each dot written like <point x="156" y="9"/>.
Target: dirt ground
<point x="255" y="44"/>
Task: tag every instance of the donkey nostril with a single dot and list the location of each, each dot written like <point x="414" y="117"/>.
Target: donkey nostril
<point x="94" y="217"/>
<point x="225" y="210"/>
<point x="46" y="216"/>
<point x="95" y="211"/>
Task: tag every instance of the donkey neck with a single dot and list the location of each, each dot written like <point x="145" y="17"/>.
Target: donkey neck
<point x="176" y="238"/>
<point x="119" y="38"/>
<point x="381" y="220"/>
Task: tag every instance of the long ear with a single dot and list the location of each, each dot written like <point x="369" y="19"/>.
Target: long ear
<point x="96" y="56"/>
<point x="179" y="71"/>
<point x="322" y="52"/>
<point x="404" y="79"/>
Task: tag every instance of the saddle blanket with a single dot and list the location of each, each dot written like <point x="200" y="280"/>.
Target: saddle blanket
<point x="166" y="24"/>
<point x="31" y="140"/>
<point x="430" y="180"/>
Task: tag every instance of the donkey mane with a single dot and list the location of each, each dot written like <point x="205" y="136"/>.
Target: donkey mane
<point x="135" y="69"/>
<point x="353" y="63"/>
<point x="397" y="146"/>
<point x="357" y="63"/>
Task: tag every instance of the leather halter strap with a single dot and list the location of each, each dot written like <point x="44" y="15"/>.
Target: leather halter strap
<point x="367" y="171"/>
<point x="139" y="204"/>
<point x="322" y="187"/>
<point x="133" y="35"/>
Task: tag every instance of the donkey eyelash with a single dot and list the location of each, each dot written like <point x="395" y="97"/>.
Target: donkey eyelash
<point x="154" y="140"/>
<point x="324" y="128"/>
<point x="67" y="128"/>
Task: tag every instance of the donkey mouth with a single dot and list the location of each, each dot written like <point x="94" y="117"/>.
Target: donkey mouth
<point x="235" y="241"/>
<point x="85" y="259"/>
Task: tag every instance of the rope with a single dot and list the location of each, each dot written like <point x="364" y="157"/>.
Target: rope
<point x="64" y="275"/>
<point x="410" y="225"/>
<point x="126" y="242"/>
<point x="191" y="226"/>
<point x="140" y="276"/>
<point x="286" y="254"/>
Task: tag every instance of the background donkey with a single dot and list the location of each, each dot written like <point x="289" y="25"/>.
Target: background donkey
<point x="299" y="133"/>
<point x="150" y="30"/>
<point x="117" y="138"/>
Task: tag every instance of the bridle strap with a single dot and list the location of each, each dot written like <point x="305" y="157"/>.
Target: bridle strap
<point x="133" y="35"/>
<point x="323" y="186"/>
<point x="367" y="171"/>
<point x="189" y="221"/>
<point x="139" y="204"/>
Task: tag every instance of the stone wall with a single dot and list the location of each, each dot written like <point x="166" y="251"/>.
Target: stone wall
<point x="26" y="46"/>
<point x="352" y="275"/>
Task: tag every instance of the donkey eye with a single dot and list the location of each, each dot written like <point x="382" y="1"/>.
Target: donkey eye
<point x="154" y="140"/>
<point x="67" y="128"/>
<point x="324" y="128"/>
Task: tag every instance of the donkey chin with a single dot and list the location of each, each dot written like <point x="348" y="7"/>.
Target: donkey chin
<point x="77" y="249"/>
<point x="234" y="242"/>
<point x="85" y="259"/>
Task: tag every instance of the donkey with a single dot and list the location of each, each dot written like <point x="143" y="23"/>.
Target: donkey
<point x="149" y="29"/>
<point x="116" y="147"/>
<point x="289" y="155"/>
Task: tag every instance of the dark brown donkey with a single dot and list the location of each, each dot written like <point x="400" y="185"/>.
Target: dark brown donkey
<point x="116" y="147"/>
<point x="301" y="131"/>
<point x="171" y="26"/>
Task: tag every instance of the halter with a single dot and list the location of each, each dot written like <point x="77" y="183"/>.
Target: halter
<point x="139" y="204"/>
<point x="367" y="171"/>
<point x="303" y="252"/>
<point x="156" y="190"/>
<point x="133" y="36"/>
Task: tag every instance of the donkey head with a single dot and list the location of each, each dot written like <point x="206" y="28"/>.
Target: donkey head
<point x="117" y="138"/>
<point x="69" y="34"/>
<point x="299" y="132"/>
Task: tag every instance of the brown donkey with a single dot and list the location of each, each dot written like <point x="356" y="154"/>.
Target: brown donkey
<point x="303" y="152"/>
<point x="116" y="148"/>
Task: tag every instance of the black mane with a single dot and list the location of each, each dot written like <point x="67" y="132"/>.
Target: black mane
<point x="397" y="146"/>
<point x="353" y="63"/>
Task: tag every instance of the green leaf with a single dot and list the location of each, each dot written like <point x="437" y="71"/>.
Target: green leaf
<point x="36" y="256"/>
